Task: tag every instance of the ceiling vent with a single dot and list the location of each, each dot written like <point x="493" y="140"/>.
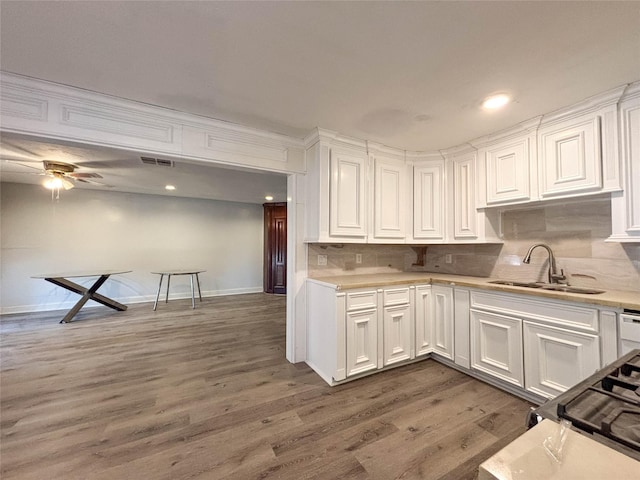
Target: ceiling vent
<point x="157" y="161"/>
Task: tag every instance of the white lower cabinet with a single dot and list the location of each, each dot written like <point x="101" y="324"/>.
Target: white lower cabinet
<point x="496" y="346"/>
<point x="397" y="334"/>
<point x="442" y="298"/>
<point x="556" y="359"/>
<point x="362" y="341"/>
<point x="423" y="320"/>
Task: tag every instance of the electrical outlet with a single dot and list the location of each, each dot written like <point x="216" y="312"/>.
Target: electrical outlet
<point x="448" y="258"/>
<point x="358" y="258"/>
<point x="322" y="259"/>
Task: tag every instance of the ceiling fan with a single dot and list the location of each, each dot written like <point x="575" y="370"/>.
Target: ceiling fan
<point x="63" y="175"/>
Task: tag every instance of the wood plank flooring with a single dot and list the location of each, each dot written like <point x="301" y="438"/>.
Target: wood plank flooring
<point x="208" y="394"/>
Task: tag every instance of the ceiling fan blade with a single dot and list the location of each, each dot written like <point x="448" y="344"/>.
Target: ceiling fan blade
<point x="23" y="164"/>
<point x="82" y="175"/>
<point x="91" y="182"/>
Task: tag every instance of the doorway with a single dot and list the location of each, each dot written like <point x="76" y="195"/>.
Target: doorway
<point x="275" y="248"/>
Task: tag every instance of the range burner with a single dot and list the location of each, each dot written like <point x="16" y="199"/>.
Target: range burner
<point x="606" y="405"/>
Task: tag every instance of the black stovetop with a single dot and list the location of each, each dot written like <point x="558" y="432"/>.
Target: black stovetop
<point x="605" y="406"/>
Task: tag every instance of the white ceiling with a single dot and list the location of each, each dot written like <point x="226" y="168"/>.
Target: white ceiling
<point x="406" y="74"/>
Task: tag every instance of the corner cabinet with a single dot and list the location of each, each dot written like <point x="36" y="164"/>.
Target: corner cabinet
<point x="442" y="298"/>
<point x="428" y="200"/>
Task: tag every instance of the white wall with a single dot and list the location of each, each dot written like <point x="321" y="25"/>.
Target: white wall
<point x="91" y="229"/>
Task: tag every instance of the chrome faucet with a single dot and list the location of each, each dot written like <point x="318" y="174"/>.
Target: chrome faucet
<point x="553" y="275"/>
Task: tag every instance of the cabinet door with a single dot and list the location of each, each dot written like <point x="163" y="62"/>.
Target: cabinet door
<point x="625" y="206"/>
<point x="428" y="201"/>
<point x="424" y="320"/>
<point x="347" y="195"/>
<point x="571" y="160"/>
<point x="362" y="341"/>
<point x="465" y="216"/>
<point x="508" y="171"/>
<point x="442" y="298"/>
<point x="397" y="333"/>
<point x="389" y="198"/>
<point x="496" y="346"/>
<point x="556" y="359"/>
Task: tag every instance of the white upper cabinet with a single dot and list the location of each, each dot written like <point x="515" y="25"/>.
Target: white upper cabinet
<point x="570" y="157"/>
<point x="510" y="166"/>
<point x="391" y="194"/>
<point x="347" y="195"/>
<point x="578" y="149"/>
<point x="336" y="189"/>
<point x="428" y="200"/>
<point x="625" y="205"/>
<point x="465" y="216"/>
<point x="567" y="153"/>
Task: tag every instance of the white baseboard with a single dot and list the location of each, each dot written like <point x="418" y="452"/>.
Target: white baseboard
<point x="66" y="305"/>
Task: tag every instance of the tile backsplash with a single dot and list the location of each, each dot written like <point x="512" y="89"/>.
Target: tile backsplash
<point x="576" y="232"/>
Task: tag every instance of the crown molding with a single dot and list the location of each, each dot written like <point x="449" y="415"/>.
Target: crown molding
<point x="524" y="128"/>
<point x="587" y="106"/>
<point x="334" y="138"/>
<point x="37" y="107"/>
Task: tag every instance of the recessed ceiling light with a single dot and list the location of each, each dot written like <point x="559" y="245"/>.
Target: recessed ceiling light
<point x="495" y="102"/>
<point x="268" y="198"/>
<point x="170" y="187"/>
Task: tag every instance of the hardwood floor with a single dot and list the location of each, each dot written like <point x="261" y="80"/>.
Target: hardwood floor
<point x="208" y="394"/>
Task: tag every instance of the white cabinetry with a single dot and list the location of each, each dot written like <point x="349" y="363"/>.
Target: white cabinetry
<point x="428" y="200"/>
<point x="423" y="320"/>
<point x="397" y="333"/>
<point x="556" y="359"/>
<point x="625" y="205"/>
<point x="510" y="166"/>
<point x="570" y="157"/>
<point x="336" y="186"/>
<point x="567" y="153"/>
<point x="496" y="346"/>
<point x="391" y="194"/>
<point x="347" y="195"/>
<point x="542" y="345"/>
<point x="362" y="341"/>
<point x="442" y="298"/>
<point x="465" y="216"/>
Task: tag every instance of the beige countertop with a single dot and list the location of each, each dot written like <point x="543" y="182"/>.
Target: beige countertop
<point x="611" y="298"/>
<point x="582" y="459"/>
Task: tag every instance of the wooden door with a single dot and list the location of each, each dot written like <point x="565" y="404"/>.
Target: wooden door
<point x="275" y="248"/>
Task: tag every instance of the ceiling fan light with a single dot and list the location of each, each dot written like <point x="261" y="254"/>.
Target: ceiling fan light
<point x="53" y="183"/>
<point x="66" y="183"/>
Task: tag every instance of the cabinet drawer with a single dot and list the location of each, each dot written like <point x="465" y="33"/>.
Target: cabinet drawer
<point x="360" y="300"/>
<point x="564" y="314"/>
<point x="395" y="296"/>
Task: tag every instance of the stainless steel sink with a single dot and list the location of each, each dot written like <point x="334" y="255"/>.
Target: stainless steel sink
<point x="569" y="289"/>
<point x="511" y="283"/>
<point x="548" y="286"/>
